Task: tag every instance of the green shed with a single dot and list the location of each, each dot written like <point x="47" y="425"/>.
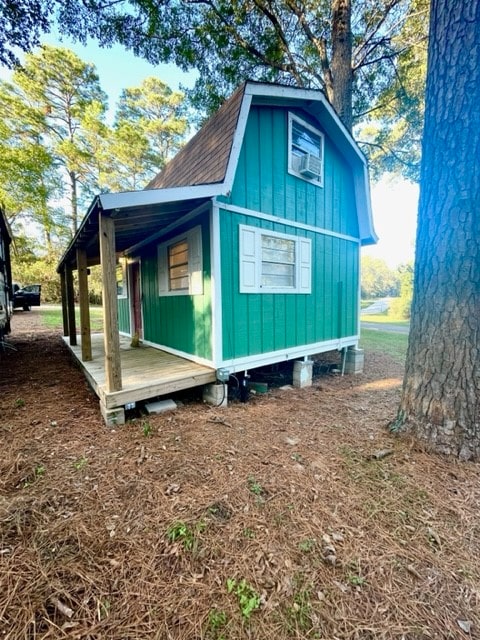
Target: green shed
<point x="244" y="250"/>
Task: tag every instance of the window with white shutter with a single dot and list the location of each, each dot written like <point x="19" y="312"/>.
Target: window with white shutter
<point x="272" y="262"/>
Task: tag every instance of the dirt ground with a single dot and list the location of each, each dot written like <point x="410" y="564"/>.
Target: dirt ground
<point x="296" y="515"/>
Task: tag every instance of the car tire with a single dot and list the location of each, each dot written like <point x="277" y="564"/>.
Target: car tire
<point x="26" y="307"/>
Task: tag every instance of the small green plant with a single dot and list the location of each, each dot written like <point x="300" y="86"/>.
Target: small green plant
<point x="216" y="621"/>
<point x="146" y="429"/>
<point x="299" y="614"/>
<point x="255" y="487"/>
<point x="37" y="473"/>
<point x="186" y="535"/>
<point x="354" y="577"/>
<point x="19" y="403"/>
<point x="81" y="463"/>
<point x="355" y="580"/>
<point x="307" y="545"/>
<point x="248" y="533"/>
<point x="248" y="598"/>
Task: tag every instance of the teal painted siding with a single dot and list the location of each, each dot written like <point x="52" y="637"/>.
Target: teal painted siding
<point x="124" y="315"/>
<point x="182" y="322"/>
<point x="262" y="181"/>
<point x="259" y="323"/>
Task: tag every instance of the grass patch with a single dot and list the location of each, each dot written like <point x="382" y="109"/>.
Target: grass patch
<point x="52" y="318"/>
<point x="394" y="344"/>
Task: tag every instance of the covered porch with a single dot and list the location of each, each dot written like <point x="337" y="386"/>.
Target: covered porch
<point x="146" y="372"/>
<point x="117" y="225"/>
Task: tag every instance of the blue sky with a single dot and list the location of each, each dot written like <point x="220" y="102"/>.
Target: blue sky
<point x="394" y="201"/>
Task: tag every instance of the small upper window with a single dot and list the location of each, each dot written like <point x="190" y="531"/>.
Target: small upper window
<point x="305" y="150"/>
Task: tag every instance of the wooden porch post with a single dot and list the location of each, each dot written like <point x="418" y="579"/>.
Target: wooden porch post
<point x="72" y="329"/>
<point x="113" y="369"/>
<point x="84" y="305"/>
<point x="63" y="292"/>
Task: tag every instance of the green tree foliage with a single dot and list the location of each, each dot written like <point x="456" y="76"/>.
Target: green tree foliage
<point x="54" y="108"/>
<point x="401" y="306"/>
<point x="393" y="143"/>
<point x="367" y="55"/>
<point x="149" y="128"/>
<point x="22" y="22"/>
<point x="378" y="280"/>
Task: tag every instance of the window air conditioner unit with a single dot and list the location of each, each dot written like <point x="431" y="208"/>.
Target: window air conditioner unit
<point x="310" y="166"/>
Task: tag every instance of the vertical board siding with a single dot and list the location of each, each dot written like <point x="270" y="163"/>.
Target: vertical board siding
<point x="259" y="323"/>
<point x="262" y="182"/>
<point x="256" y="323"/>
<point x="124" y="315"/>
<point x="182" y="322"/>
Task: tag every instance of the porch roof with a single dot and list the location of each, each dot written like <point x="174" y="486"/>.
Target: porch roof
<point x="138" y="216"/>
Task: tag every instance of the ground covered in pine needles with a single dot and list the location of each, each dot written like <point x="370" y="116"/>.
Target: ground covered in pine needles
<point x="296" y="515"/>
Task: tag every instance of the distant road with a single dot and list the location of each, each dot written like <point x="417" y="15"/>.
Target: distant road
<point x="385" y="326"/>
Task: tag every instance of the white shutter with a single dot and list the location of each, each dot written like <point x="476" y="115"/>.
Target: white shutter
<point x="248" y="262"/>
<point x="305" y="265"/>
<point x="162" y="269"/>
<point x="195" y="261"/>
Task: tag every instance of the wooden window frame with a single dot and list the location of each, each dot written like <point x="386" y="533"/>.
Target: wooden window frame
<point x="193" y="238"/>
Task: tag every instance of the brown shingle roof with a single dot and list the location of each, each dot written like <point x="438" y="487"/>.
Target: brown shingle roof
<point x="204" y="159"/>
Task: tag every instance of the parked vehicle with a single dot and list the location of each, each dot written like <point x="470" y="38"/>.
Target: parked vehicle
<point x="26" y="297"/>
<point x="5" y="277"/>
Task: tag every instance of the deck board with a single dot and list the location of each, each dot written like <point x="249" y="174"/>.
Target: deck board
<point x="147" y="372"/>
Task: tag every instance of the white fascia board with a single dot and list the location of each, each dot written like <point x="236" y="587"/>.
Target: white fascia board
<point x="127" y="199"/>
<point x="237" y="142"/>
<point x="306" y="95"/>
<point x="365" y="219"/>
<point x="342" y="138"/>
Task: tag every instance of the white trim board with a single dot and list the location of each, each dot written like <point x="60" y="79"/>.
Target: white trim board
<point x="272" y="357"/>
<point x="216" y="283"/>
<point x="128" y="199"/>
<point x="287" y="223"/>
<point x="181" y="354"/>
<point x="237" y="142"/>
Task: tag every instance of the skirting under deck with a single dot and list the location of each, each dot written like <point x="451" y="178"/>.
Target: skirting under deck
<point x="146" y="372"/>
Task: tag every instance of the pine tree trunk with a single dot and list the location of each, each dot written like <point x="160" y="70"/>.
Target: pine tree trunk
<point x="441" y="394"/>
<point x="341" y="64"/>
<point x="74" y="201"/>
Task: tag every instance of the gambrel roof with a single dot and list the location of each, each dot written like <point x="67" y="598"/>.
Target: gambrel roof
<point x="206" y="168"/>
<point x="204" y="159"/>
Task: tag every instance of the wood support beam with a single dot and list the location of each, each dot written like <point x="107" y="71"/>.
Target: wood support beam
<point x="63" y="290"/>
<point x="72" y="329"/>
<point x="113" y="369"/>
<point x="84" y="305"/>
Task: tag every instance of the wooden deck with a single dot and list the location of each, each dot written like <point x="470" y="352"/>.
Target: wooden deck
<point x="146" y="372"/>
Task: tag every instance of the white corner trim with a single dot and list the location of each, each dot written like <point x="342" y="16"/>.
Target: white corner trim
<point x="216" y="284"/>
<point x="237" y="143"/>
